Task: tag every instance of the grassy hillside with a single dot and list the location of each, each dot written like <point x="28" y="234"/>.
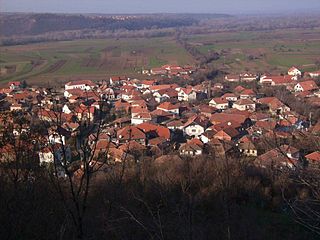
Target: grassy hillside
<point x="90" y="58"/>
<point x="262" y="51"/>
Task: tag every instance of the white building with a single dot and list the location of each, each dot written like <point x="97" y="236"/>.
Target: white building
<point x="186" y="95"/>
<point x="139" y="118"/>
<point x="190" y="149"/>
<point x="244" y="104"/>
<point x="293" y="71"/>
<point x="219" y="103"/>
<point x="83" y="85"/>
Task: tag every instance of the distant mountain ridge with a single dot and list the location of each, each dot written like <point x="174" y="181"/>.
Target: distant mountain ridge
<point x="17" y="24"/>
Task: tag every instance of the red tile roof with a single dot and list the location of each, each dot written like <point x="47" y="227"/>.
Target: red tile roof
<point x="315" y="156"/>
<point x="130" y="133"/>
<point x="167" y="106"/>
<point x="308" y="85"/>
<point x="226" y="117"/>
<point x="132" y="146"/>
<point x="81" y="82"/>
<point x="160" y="130"/>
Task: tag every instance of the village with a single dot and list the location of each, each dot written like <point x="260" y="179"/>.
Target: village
<point x="239" y="116"/>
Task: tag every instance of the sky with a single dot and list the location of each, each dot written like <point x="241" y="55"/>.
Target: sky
<point x="161" y="6"/>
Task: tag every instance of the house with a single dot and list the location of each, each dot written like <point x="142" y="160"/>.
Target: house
<point x="313" y="159"/>
<point x="248" y="77"/>
<point x="156" y="88"/>
<point x="73" y="93"/>
<point x="314" y="74"/>
<point x="130" y="133"/>
<point x="219" y="103"/>
<point x="147" y="83"/>
<point x="248" y="149"/>
<point x="207" y="135"/>
<point x="66" y="109"/>
<point x="277" y="80"/>
<point x="46" y="156"/>
<point x="232" y="78"/>
<point x="227" y="134"/>
<point x="244" y="104"/>
<point x="119" y="155"/>
<point x="293" y="71"/>
<point x="248" y="94"/>
<point x="238" y="89"/>
<point x="175" y="124"/>
<point x="262" y="127"/>
<point x="306" y="86"/>
<point x="274" y="104"/>
<point x="206" y="110"/>
<point x="196" y="126"/>
<point x="14" y="85"/>
<point x="187" y="94"/>
<point x="16" y="107"/>
<point x="190" y="149"/>
<point x="83" y="85"/>
<point x="108" y="94"/>
<point x="141" y="117"/>
<point x="169" y="107"/>
<point x="130" y="95"/>
<point x="154" y="131"/>
<point x="56" y="153"/>
<point x="84" y="112"/>
<point x="121" y="122"/>
<point x="122" y="106"/>
<point x="118" y="80"/>
<point x="165" y="94"/>
<point x="281" y="157"/>
<point x="231" y="97"/>
<point x="133" y="148"/>
<point x="158" y="71"/>
<point x="218" y="118"/>
<point x="218" y="86"/>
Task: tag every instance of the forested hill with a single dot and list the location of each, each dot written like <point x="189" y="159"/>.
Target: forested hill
<point x="29" y="24"/>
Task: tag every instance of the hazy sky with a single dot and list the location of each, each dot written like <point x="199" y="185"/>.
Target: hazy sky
<point x="151" y="6"/>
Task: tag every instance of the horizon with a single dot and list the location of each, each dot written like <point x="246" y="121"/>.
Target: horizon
<point x="239" y="7"/>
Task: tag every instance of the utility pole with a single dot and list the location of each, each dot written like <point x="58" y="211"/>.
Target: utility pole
<point x="209" y="89"/>
<point x="310" y="119"/>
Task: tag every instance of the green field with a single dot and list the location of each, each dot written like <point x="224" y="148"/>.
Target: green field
<point x="262" y="51"/>
<point x="40" y="63"/>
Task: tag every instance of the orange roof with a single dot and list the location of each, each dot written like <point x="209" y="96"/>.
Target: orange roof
<point x="167" y="106"/>
<point x="219" y="100"/>
<point x="132" y="146"/>
<point x="229" y="131"/>
<point x="272" y="102"/>
<point x="282" y="80"/>
<point x="196" y="141"/>
<point x="164" y="86"/>
<point x="84" y="109"/>
<point x="160" y="130"/>
<point x="308" y="85"/>
<point x="249" y="92"/>
<point x="244" y="102"/>
<point x="239" y="89"/>
<point x="131" y="132"/>
<point x="227" y="117"/>
<point x="187" y="90"/>
<point x="104" y="144"/>
<point x="14" y="83"/>
<point x="81" y="82"/>
<point x="292" y="69"/>
<point x="315" y="156"/>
